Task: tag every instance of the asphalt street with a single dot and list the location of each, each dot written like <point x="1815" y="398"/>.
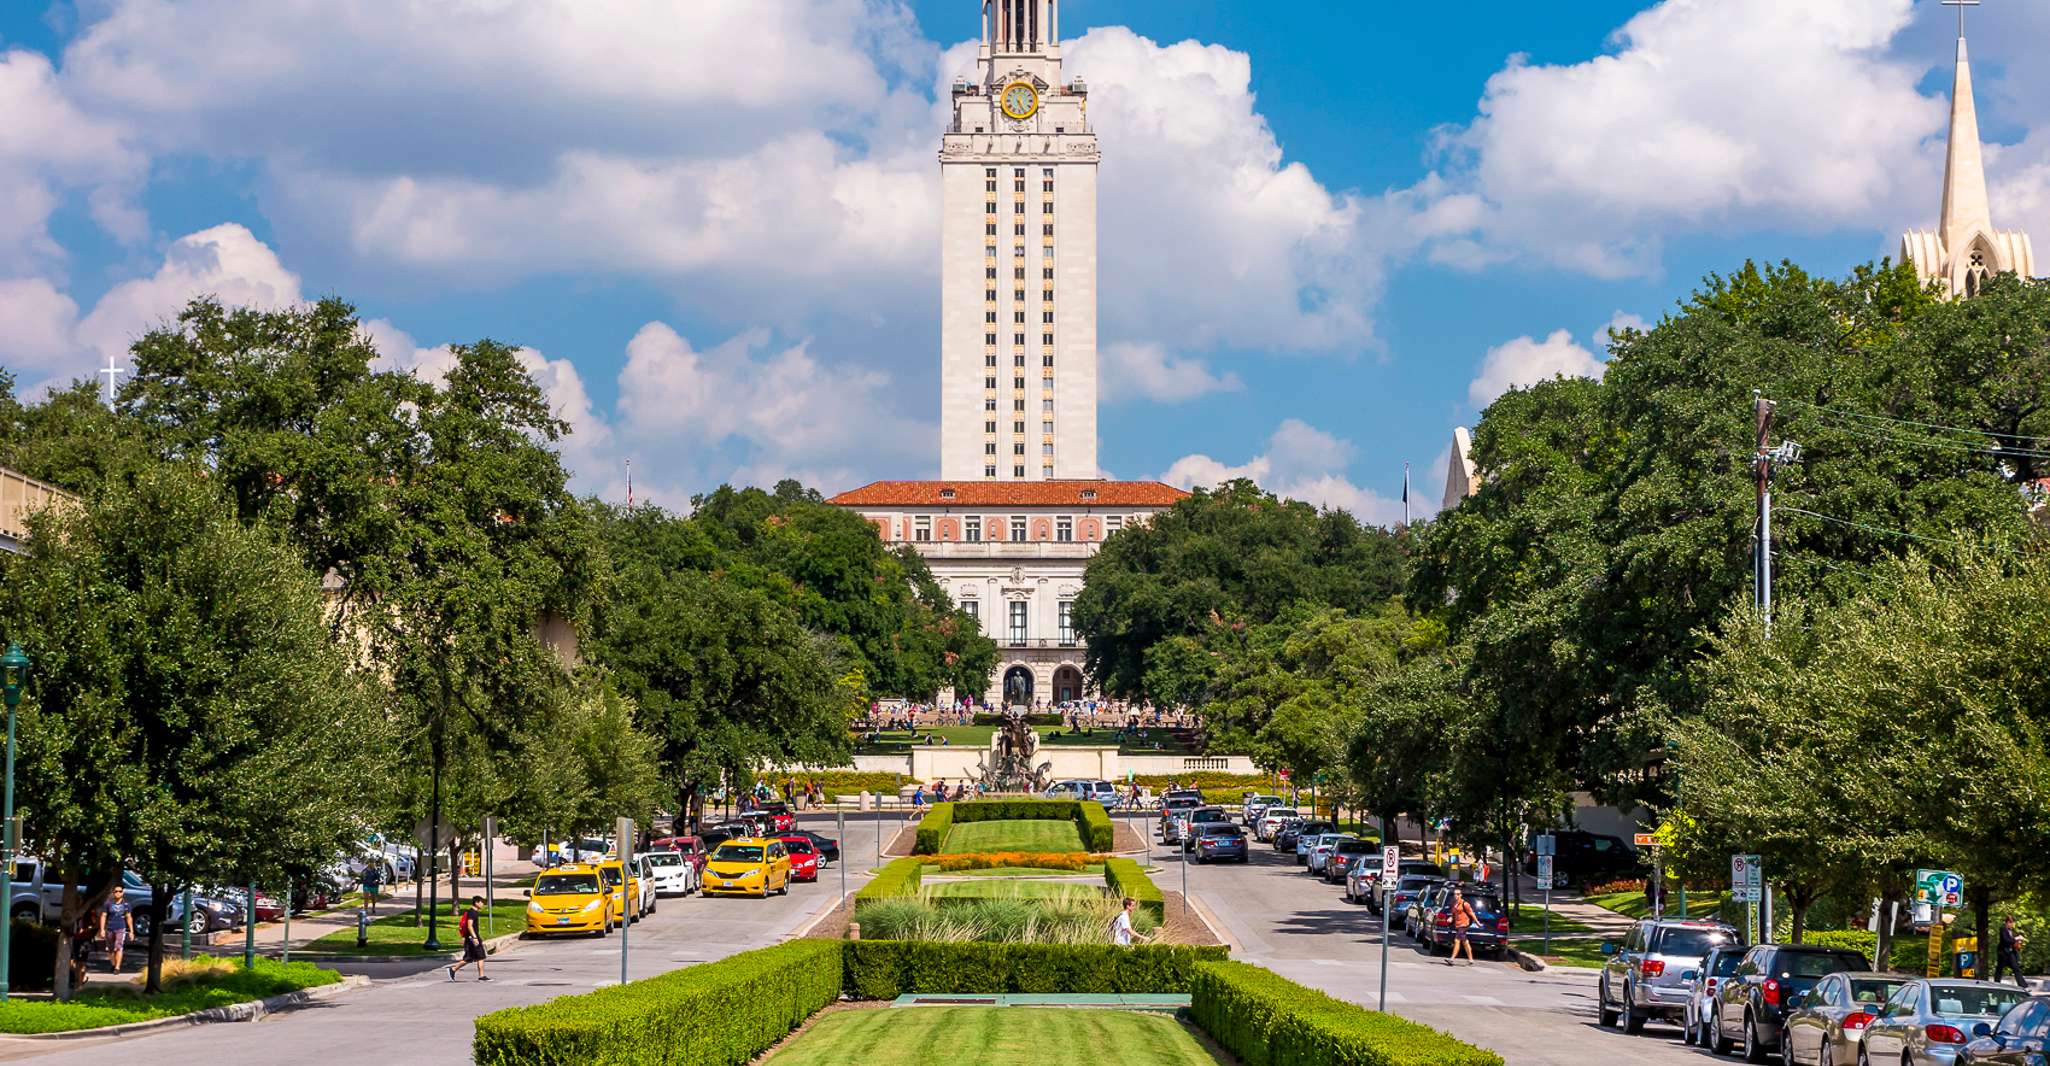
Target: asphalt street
<point x="1302" y="928"/>
<point x="413" y="1014"/>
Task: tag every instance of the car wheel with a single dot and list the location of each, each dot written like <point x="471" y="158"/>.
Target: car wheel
<point x="1828" y="1056"/>
<point x="1688" y="1035"/>
<point x="1786" y="1047"/>
<point x="1606" y="1016"/>
<point x="1633" y="1022"/>
<point x="1753" y="1050"/>
<point x="1718" y="1044"/>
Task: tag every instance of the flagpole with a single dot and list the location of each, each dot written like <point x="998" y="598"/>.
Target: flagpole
<point x="629" y="484"/>
<point x="1405" y="495"/>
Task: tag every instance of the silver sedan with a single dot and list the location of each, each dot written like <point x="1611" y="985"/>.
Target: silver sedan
<point x="1828" y="1023"/>
<point x="1928" y="1021"/>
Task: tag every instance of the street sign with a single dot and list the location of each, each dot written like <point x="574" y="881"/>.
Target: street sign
<point x="1645" y="840"/>
<point x="1546" y="844"/>
<point x="1544" y="871"/>
<point x="1284" y="775"/>
<point x="1747" y="879"/>
<point x="1391" y="865"/>
<point x="1940" y="888"/>
<point x="422" y="828"/>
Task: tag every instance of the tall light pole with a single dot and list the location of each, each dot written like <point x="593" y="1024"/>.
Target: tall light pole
<point x="13" y="672"/>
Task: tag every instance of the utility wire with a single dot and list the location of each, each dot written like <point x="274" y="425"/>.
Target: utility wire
<point x="1893" y="532"/>
<point x="1845" y="413"/>
<point x="1996" y="451"/>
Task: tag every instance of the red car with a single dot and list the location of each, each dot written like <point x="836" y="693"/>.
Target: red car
<point x="691" y="848"/>
<point x="804" y="858"/>
<point x="781" y="820"/>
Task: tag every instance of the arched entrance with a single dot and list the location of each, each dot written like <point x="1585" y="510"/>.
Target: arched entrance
<point x="1067" y="684"/>
<point x="1018" y="687"/>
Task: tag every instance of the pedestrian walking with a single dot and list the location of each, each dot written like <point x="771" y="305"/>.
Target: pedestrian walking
<point x="2010" y="955"/>
<point x="1121" y="931"/>
<point x="1462" y="920"/>
<point x="473" y="941"/>
<point x="373" y="876"/>
<point x="117" y="922"/>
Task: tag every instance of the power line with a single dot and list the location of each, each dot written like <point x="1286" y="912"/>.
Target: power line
<point x="1845" y="413"/>
<point x="1946" y="445"/>
<point x="1894" y="532"/>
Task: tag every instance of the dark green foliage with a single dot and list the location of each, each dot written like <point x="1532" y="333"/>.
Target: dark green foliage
<point x="898" y="877"/>
<point x="1098" y="833"/>
<point x="1234" y="554"/>
<point x="31" y="963"/>
<point x="1127" y="878"/>
<point x="886" y="969"/>
<point x="1267" y="1020"/>
<point x="716" y="1014"/>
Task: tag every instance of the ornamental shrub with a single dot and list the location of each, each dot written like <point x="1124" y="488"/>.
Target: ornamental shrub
<point x="1268" y="1020"/>
<point x="1098" y="834"/>
<point x="886" y="969"/>
<point x="899" y="877"/>
<point x="997" y="860"/>
<point x="1097" y="830"/>
<point x="932" y="829"/>
<point x="1127" y="878"/>
<point x="716" y="1014"/>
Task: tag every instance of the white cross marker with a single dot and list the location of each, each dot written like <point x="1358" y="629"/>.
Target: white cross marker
<point x="113" y="370"/>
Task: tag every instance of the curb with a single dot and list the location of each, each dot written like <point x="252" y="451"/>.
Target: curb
<point x="1530" y="963"/>
<point x="233" y="1012"/>
<point x="811" y="923"/>
<point x="1216" y="927"/>
<point x="491" y="947"/>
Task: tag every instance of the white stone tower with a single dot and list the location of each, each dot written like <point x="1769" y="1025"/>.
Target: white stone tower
<point x="1018" y="259"/>
<point x="1965" y="247"/>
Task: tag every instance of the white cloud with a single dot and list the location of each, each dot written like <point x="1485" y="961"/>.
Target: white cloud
<point x="48" y="145"/>
<point x="36" y="323"/>
<point x="1300" y="462"/>
<point x="1748" y="112"/>
<point x="225" y="261"/>
<point x="1132" y="371"/>
<point x="1526" y="361"/>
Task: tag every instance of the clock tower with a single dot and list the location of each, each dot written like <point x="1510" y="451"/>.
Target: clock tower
<point x="1018" y="259"/>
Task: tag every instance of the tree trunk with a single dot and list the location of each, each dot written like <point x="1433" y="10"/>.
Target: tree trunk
<point x="1982" y="914"/>
<point x="67" y="920"/>
<point x="455" y="874"/>
<point x="1883" y="951"/>
<point x="159" y="912"/>
<point x="1800" y="897"/>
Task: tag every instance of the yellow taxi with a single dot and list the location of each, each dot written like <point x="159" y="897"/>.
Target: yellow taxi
<point x="568" y="899"/>
<point x="628" y="904"/>
<point x="749" y="866"/>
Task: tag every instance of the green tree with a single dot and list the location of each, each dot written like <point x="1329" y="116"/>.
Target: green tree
<point x="190" y="714"/>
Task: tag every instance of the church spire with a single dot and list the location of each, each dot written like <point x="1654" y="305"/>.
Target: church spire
<point x="1965" y="209"/>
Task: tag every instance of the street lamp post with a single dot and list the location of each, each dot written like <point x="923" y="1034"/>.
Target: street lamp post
<point x="13" y="671"/>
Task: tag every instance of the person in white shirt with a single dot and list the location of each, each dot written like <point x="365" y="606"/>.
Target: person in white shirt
<point x="1121" y="931"/>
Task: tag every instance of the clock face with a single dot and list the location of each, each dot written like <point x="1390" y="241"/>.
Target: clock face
<point x="1020" y="100"/>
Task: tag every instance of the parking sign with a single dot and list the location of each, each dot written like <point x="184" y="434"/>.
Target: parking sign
<point x="1544" y="871"/>
<point x="1391" y="864"/>
<point x="1746" y="878"/>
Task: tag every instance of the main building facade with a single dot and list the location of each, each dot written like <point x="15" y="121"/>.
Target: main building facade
<point x="1020" y="508"/>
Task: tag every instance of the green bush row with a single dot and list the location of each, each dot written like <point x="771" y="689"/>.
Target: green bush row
<point x="933" y="829"/>
<point x="1015" y="810"/>
<point x="1909" y="953"/>
<point x="899" y="877"/>
<point x="717" y="1014"/>
<point x="1098" y="833"/>
<point x="886" y="969"/>
<point x="1268" y="1020"/>
<point x="1127" y="878"/>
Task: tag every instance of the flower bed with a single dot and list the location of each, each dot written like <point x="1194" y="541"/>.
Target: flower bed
<point x="992" y="860"/>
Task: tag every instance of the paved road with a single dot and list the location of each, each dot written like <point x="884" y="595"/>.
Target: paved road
<point x="414" y="1015"/>
<point x="1302" y="928"/>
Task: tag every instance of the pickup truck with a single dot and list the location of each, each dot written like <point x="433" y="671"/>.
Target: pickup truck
<point x="32" y="897"/>
<point x="38" y="899"/>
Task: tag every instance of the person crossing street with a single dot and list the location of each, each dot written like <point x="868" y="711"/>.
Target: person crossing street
<point x="473" y="940"/>
<point x="1462" y="920"/>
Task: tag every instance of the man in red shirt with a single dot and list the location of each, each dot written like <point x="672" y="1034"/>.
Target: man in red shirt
<point x="1462" y="920"/>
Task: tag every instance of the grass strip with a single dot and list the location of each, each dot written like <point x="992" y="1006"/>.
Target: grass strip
<point x="189" y="987"/>
<point x="395" y="934"/>
<point x="992" y="1036"/>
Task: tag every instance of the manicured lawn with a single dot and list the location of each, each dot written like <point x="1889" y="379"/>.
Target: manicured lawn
<point x="395" y="934"/>
<point x="101" y="1005"/>
<point x="897" y="742"/>
<point x="1023" y="835"/>
<point x="1094" y="869"/>
<point x="1530" y="918"/>
<point x="1000" y="889"/>
<point x="994" y="1036"/>
<point x="1572" y="951"/>
<point x="1634" y="904"/>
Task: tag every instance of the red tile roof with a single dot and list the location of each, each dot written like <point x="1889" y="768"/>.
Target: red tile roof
<point x="1073" y="493"/>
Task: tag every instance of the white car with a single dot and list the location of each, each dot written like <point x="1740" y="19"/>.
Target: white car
<point x="1256" y="805"/>
<point x="644" y="877"/>
<point x="1271" y="819"/>
<point x="672" y="872"/>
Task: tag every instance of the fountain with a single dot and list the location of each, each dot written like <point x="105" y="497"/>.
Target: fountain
<point x="1008" y="765"/>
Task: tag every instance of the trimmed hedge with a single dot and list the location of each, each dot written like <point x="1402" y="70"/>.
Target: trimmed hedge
<point x="1098" y="832"/>
<point x="886" y="969"/>
<point x="1127" y="878"/>
<point x="898" y="877"/>
<point x="1268" y="1020"/>
<point x="717" y="1014"/>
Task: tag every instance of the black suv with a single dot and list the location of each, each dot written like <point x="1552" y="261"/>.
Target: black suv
<point x="1585" y="858"/>
<point x="1751" y="1006"/>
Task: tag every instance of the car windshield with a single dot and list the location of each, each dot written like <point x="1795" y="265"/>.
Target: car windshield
<point x="798" y="845"/>
<point x="1818" y="963"/>
<point x="1694" y="943"/>
<point x="738" y="853"/>
<point x="566" y="885"/>
<point x="1873" y="990"/>
<point x="1355" y="847"/>
<point x="1222" y="831"/>
<point x="1959" y="1001"/>
<point x="664" y="858"/>
<point x="1727" y="963"/>
<point x="1411" y="884"/>
<point x="1207" y="814"/>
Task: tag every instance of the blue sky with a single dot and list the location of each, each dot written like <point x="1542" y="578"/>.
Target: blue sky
<point x="1332" y="232"/>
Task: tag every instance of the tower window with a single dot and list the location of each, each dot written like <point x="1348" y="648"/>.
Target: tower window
<point x="989" y="403"/>
<point x="1017" y="404"/>
<point x="1046" y="360"/>
<point x="1047" y="317"/>
<point x="989" y="383"/>
<point x="1017" y="272"/>
<point x="1018" y="426"/>
<point x="989" y="208"/>
<point x="1046" y="471"/>
<point x="1017" y="360"/>
<point x="1046" y="405"/>
<point x="989" y="229"/>
<point x="1017" y="383"/>
<point x="974" y="529"/>
<point x="1046" y="230"/>
<point x="1018" y="448"/>
<point x="1017" y="316"/>
<point x="989" y="448"/>
<point x="990" y="273"/>
<point x="1046" y="427"/>
<point x="1046" y="208"/>
<point x="988" y="427"/>
<point x="1046" y="449"/>
<point x="989" y="338"/>
<point x="1017" y="338"/>
<point x="989" y="360"/>
<point x="1020" y="228"/>
<point x="1046" y="338"/>
<point x="989" y="316"/>
<point x="1018" y="173"/>
<point x="921" y="528"/>
<point x="1016" y="294"/>
<point x="989" y="294"/>
<point x="989" y="470"/>
<point x="990" y="186"/>
<point x="1046" y="172"/>
<point x="990" y="172"/>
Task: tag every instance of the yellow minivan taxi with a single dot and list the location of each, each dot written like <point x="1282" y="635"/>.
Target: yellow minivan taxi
<point x="567" y="899"/>
<point x="623" y="903"/>
<point x="749" y="866"/>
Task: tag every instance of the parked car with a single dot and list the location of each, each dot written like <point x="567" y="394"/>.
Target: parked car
<point x="1289" y="837"/>
<point x="1220" y="842"/>
<point x="1403" y="869"/>
<point x="570" y="899"/>
<point x="1361" y="878"/>
<point x="1341" y="859"/>
<point x="1320" y="849"/>
<point x="2020" y="1038"/>
<point x="1489" y="933"/>
<point x="1172" y="809"/>
<point x="633" y="901"/>
<point x="1929" y="1021"/>
<point x="1305" y="835"/>
<point x="1702" y="982"/>
<point x="1751" y="1005"/>
<point x="1423" y="906"/>
<point x="1584" y="858"/>
<point x="827" y="847"/>
<point x="673" y="872"/>
<point x="1101" y="791"/>
<point x="1643" y="978"/>
<point x="581" y="850"/>
<point x="1407" y="889"/>
<point x="1194" y="820"/>
<point x="1827" y="1024"/>
<point x="804" y="859"/>
<point x="691" y="848"/>
<point x="1270" y="820"/>
<point x="1255" y="805"/>
<point x="748" y="866"/>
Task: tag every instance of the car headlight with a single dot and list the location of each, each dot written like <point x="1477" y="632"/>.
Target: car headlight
<point x="593" y="903"/>
<point x="534" y="908"/>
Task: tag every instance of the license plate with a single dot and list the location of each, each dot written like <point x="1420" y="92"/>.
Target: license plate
<point x="562" y="921"/>
<point x="729" y="884"/>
